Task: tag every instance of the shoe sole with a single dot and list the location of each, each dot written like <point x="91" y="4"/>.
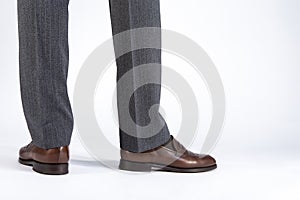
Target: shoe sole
<point x="44" y="168"/>
<point x="147" y="167"/>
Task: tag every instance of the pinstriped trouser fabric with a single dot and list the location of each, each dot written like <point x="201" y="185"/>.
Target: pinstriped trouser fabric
<point x="44" y="62"/>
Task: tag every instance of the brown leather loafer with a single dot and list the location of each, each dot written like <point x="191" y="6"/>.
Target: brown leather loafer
<point x="45" y="161"/>
<point x="171" y="157"/>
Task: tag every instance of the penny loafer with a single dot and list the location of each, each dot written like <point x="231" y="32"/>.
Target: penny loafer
<point x="171" y="157"/>
<point x="45" y="161"/>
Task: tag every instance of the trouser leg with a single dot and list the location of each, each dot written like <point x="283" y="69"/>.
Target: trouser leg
<point x="44" y="60"/>
<point x="126" y="15"/>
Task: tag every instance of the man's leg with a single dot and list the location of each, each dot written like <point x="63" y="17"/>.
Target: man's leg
<point x="126" y="15"/>
<point x="165" y="152"/>
<point x="44" y="58"/>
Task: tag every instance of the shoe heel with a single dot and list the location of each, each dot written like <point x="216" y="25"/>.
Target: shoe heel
<point x="134" y="166"/>
<point x="51" y="169"/>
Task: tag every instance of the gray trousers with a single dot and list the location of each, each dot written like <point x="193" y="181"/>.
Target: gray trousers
<point x="44" y="60"/>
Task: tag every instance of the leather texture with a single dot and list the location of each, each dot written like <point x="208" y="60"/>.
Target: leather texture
<point x="58" y="155"/>
<point x="172" y="154"/>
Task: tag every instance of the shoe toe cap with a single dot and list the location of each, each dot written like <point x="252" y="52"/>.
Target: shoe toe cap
<point x="206" y="160"/>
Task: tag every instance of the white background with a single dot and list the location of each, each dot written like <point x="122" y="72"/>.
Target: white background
<point x="255" y="45"/>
